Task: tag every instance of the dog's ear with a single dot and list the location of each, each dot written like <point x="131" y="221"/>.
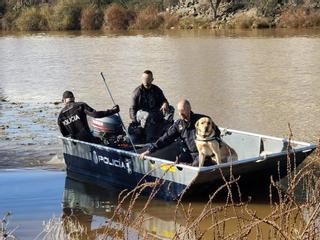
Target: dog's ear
<point x="212" y="123"/>
<point x="197" y="126"/>
<point x="197" y="123"/>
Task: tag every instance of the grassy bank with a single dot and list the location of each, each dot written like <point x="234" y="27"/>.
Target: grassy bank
<point x="83" y="14"/>
<point x="153" y="14"/>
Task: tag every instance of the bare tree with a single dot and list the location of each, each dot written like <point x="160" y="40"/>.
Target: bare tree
<point x="215" y="5"/>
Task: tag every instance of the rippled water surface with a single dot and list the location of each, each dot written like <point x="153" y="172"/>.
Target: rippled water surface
<point x="39" y="199"/>
<point x="253" y="81"/>
<point x="257" y="81"/>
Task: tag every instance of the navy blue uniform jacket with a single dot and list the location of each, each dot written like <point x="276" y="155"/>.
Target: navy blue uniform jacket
<point x="149" y="100"/>
<point x="183" y="129"/>
<point x="73" y="122"/>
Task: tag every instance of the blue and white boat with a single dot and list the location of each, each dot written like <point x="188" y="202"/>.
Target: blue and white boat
<point x="259" y="157"/>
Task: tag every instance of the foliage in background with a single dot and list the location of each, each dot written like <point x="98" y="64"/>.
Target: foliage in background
<point x="66" y="15"/>
<point x="147" y="19"/>
<point x="170" y="20"/>
<point x="117" y="17"/>
<point x="2" y="7"/>
<point x="32" y="19"/>
<point x="265" y="8"/>
<point x="41" y="15"/>
<point x="299" y="17"/>
<point x="138" y="5"/>
<point x="91" y="18"/>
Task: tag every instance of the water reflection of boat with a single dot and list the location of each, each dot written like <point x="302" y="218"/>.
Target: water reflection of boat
<point x="92" y="206"/>
<point x="259" y="157"/>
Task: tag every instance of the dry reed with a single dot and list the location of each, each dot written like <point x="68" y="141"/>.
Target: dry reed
<point x="148" y="18"/>
<point x="117" y="17"/>
<point x="299" y="17"/>
<point x="91" y="18"/>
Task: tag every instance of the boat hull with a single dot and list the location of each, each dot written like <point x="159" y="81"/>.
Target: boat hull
<point x="121" y="168"/>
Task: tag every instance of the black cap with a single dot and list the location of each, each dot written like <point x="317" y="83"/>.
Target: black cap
<point x="67" y="94"/>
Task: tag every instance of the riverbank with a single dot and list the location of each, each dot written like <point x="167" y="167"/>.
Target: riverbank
<point x="147" y="15"/>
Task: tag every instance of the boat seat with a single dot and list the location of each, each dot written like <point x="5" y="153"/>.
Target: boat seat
<point x="269" y="146"/>
<point x="246" y="146"/>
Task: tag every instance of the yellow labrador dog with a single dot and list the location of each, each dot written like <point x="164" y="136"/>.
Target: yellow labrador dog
<point x="208" y="145"/>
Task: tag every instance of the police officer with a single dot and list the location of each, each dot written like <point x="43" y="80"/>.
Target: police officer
<point x="148" y="107"/>
<point x="185" y="129"/>
<point x="73" y="122"/>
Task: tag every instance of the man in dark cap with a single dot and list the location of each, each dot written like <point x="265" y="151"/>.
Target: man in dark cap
<point x="72" y="119"/>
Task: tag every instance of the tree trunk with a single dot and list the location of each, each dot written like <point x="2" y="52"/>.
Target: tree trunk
<point x="215" y="5"/>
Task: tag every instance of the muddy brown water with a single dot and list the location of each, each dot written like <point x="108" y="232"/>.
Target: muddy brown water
<point x="256" y="81"/>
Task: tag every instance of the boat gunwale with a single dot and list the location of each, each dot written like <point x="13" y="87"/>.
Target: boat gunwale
<point x="266" y="136"/>
<point x="256" y="159"/>
<point x="307" y="147"/>
<point x="128" y="153"/>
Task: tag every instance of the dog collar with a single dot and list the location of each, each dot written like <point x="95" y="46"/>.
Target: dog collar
<point x="209" y="139"/>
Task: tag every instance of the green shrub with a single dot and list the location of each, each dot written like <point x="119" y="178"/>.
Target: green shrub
<point x="66" y="15"/>
<point x="117" y="17"/>
<point x="148" y="19"/>
<point x="91" y="18"/>
<point x="31" y="19"/>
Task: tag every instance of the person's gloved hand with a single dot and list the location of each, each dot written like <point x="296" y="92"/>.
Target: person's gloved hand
<point x="116" y="109"/>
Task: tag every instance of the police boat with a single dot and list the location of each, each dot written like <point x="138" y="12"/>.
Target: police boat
<point x="116" y="163"/>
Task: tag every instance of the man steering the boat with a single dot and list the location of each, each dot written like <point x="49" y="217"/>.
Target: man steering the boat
<point x="73" y="122"/>
<point x="183" y="128"/>
<point x="149" y="109"/>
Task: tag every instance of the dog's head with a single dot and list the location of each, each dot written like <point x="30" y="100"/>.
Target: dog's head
<point x="205" y="127"/>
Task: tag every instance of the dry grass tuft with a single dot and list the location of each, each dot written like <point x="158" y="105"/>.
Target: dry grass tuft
<point x="299" y="17"/>
<point x="194" y="23"/>
<point x="91" y="18"/>
<point x="117" y="17"/>
<point x="250" y="19"/>
<point x="66" y="227"/>
<point x="170" y="20"/>
<point x="148" y="19"/>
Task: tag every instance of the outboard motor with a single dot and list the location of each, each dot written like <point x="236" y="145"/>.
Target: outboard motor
<point x="109" y="129"/>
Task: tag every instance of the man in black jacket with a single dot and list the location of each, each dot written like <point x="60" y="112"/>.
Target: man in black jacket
<point x="73" y="122"/>
<point x="148" y="107"/>
<point x="185" y="129"/>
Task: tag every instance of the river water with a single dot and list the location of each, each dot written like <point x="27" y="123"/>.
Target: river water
<point x="257" y="81"/>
